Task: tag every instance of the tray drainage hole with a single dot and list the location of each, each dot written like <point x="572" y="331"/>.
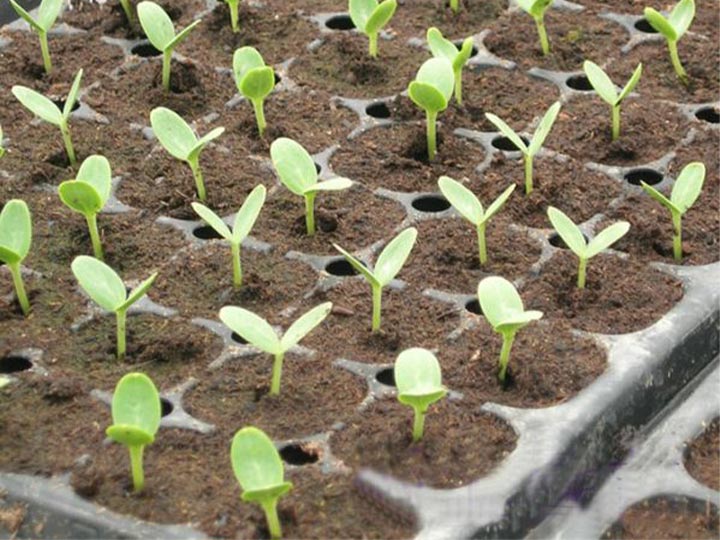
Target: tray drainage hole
<point x="318" y="168"/>
<point x="558" y="242"/>
<point x="431" y="203"/>
<point x="459" y="44"/>
<point x="708" y="114"/>
<point x="473" y="306"/>
<point x="503" y="143"/>
<point x="340" y="267"/>
<point x="145" y="50"/>
<point x="644" y="26"/>
<point x="13" y="364"/>
<point x="298" y="454"/>
<point x="649" y="176"/>
<point x="237" y="338"/>
<point x="278" y="79"/>
<point x="340" y="22"/>
<point x="206" y="232"/>
<point x="166" y="407"/>
<point x="386" y="376"/>
<point x="579" y="83"/>
<point x="378" y="110"/>
<point x="60" y="104"/>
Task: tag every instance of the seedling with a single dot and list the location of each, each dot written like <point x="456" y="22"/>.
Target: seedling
<point x="297" y="171"/>
<point x="673" y="28"/>
<point x="15" y="240"/>
<point x="431" y="91"/>
<point x="574" y="239"/>
<point x="44" y="108"/>
<point x="455" y="5"/>
<point x="254" y="80"/>
<point x="606" y="90"/>
<point x="234" y="7"/>
<point x="259" y="470"/>
<point x="531" y="150"/>
<point x="88" y="193"/>
<point x="244" y="221"/>
<point x="444" y="48"/>
<point x="685" y="192"/>
<point x="136" y="414"/>
<point x="388" y="264"/>
<point x="370" y="16"/>
<point x="470" y="207"/>
<point x="129" y="13"/>
<point x="105" y="287"/>
<point x="178" y="138"/>
<point x="419" y="384"/>
<point x="47" y="14"/>
<point x="503" y="308"/>
<point x="257" y="331"/>
<point x="159" y="29"/>
<point x="536" y="9"/>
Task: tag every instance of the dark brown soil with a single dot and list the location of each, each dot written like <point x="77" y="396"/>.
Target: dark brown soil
<point x="703" y="148"/>
<point x="702" y="456"/>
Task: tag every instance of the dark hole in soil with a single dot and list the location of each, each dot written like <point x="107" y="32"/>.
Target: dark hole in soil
<point x="318" y="168"/>
<point x="558" y="242"/>
<point x="459" y="44"/>
<point x="145" y="50"/>
<point x="278" y="79"/>
<point x="378" y="110"/>
<point x="473" y="306"/>
<point x="60" y="104"/>
<point x="297" y="454"/>
<point x="206" y="232"/>
<point x="431" y="203"/>
<point x="386" y="376"/>
<point x="503" y="143"/>
<point x="644" y="26"/>
<point x="165" y="407"/>
<point x="649" y="176"/>
<point x="340" y="22"/>
<point x="579" y="82"/>
<point x="13" y="364"/>
<point x="340" y="267"/>
<point x="237" y="338"/>
<point x="708" y="114"/>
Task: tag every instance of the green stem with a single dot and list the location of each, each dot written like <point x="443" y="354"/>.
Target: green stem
<point x="270" y="508"/>
<point x="677" y="237"/>
<point x="94" y="236"/>
<point x="121" y="317"/>
<point x="260" y="115"/>
<point x="167" y="60"/>
<point x="377" y="307"/>
<point x="45" y="50"/>
<point x="197" y="174"/>
<point x="528" y="174"/>
<point x="234" y="16"/>
<point x="615" y="122"/>
<point x="544" y="43"/>
<point x="310" y="212"/>
<point x="65" y="130"/>
<point x="505" y="354"/>
<point x="455" y="5"/>
<point x="277" y="374"/>
<point x="20" y="288"/>
<point x="675" y="59"/>
<point x="458" y="86"/>
<point x="431" y="135"/>
<point x="127" y="8"/>
<point x="481" y="242"/>
<point x="136" y="465"/>
<point x="418" y="424"/>
<point x="581" y="273"/>
<point x="373" y="44"/>
<point x="237" y="269"/>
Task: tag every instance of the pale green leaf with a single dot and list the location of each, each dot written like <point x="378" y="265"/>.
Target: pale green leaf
<point x="568" y="231"/>
<point x="95" y="170"/>
<point x="498" y="203"/>
<point x="543" y="129"/>
<point x="136" y="403"/>
<point x="427" y="97"/>
<point x="462" y="199"/>
<point x="100" y="282"/>
<point x="304" y="325"/>
<point x="38" y="104"/>
<point x="176" y="136"/>
<point x="200" y="145"/>
<point x="439" y="46"/>
<point x="359" y="266"/>
<point x="293" y="164"/>
<point x="334" y="184"/>
<point x="380" y="16"/>
<point x="438" y="73"/>
<point x="48" y="12"/>
<point x="600" y="81"/>
<point x="15" y="231"/>
<point x="417" y="374"/>
<point x="244" y="60"/>
<point x="72" y="95"/>
<point x="256" y="462"/>
<point x="248" y="214"/>
<point x="257" y="83"/>
<point x="659" y="197"/>
<point x="182" y="35"/>
<point x="80" y="196"/>
<point x="660" y="23"/>
<point x="360" y="12"/>
<point x="500" y="301"/>
<point x="681" y="16"/>
<point x="393" y="257"/>
<point x="253" y="328"/>
<point x="27" y="17"/>
<point x="138" y="292"/>
<point x="156" y="24"/>
<point x="508" y="132"/>
<point x="631" y="84"/>
<point x="212" y="219"/>
<point x="688" y="186"/>
<point x="606" y="238"/>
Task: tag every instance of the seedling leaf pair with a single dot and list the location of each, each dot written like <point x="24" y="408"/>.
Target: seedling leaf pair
<point x="444" y="48"/>
<point x="47" y="14"/>
<point x="536" y="9"/>
<point x="605" y="88"/>
<point x="254" y="80"/>
<point x="15" y="240"/>
<point x="370" y="16"/>
<point x="673" y="28"/>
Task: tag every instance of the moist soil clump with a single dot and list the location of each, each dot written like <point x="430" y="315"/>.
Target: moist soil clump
<point x="702" y="456"/>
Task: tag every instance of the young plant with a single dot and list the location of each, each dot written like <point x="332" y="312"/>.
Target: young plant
<point x="159" y="29"/>
<point x="455" y="5"/>
<point x="503" y="308"/>
<point x="129" y="12"/>
<point x="673" y="28"/>
<point x="574" y="239"/>
<point x="15" y="240"/>
<point x="531" y="150"/>
<point x="104" y="286"/>
<point x="259" y="471"/>
<point x="244" y="221"/>
<point x="606" y="90"/>
<point x="419" y="384"/>
<point x="431" y="91"/>
<point x="370" y="16"/>
<point x="297" y="171"/>
<point x="234" y="7"/>
<point x="444" y="48"/>
<point x="88" y="193"/>
<point x="254" y="80"/>
<point x="388" y="264"/>
<point x="136" y="413"/>
<point x="258" y="332"/>
<point x="685" y="192"/>
<point x="178" y="138"/>
<point x="536" y="9"/>
<point x="47" y="14"/>
<point x="44" y="108"/>
<point x="470" y="207"/>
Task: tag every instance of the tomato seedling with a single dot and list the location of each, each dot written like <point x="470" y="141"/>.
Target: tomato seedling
<point x="605" y="88"/>
<point x="673" y="28"/>
<point x="15" y="240"/>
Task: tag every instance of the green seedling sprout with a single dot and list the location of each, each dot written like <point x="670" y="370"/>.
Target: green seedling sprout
<point x="606" y="90"/>
<point x="470" y="207"/>
<point x="129" y="12"/>
<point x="136" y="413"/>
<point x="370" y="16"/>
<point x="47" y="14"/>
<point x="105" y="287"/>
<point x="388" y="264"/>
<point x="431" y="91"/>
<point x="15" y="240"/>
<point x="455" y="5"/>
<point x="44" y="108"/>
<point x="297" y="171"/>
<point x="244" y="221"/>
<point x="444" y="48"/>
<point x="259" y="471"/>
<point x="503" y="308"/>
<point x="254" y="80"/>
<point x="574" y="239"/>
<point x="159" y="29"/>
<point x="88" y="193"/>
<point x="673" y="28"/>
<point x="536" y="9"/>
<point x="419" y="384"/>
<point x="685" y="192"/>
<point x="531" y="150"/>
<point x="234" y="7"/>
<point x="178" y="138"/>
<point x="257" y="331"/>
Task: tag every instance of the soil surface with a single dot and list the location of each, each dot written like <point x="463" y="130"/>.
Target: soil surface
<point x="702" y="456"/>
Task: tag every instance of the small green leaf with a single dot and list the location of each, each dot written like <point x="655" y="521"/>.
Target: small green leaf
<point x="257" y="83"/>
<point x="441" y="47"/>
<point x="539" y="7"/>
<point x="688" y="186"/>
<point x="393" y="257"/>
<point x="599" y="80"/>
<point x="15" y="231"/>
<point x="156" y="24"/>
<point x="80" y="196"/>
<point x="631" y="84"/>
<point x="462" y="199"/>
<point x="681" y="17"/>
<point x="606" y="238"/>
<point x="438" y="73"/>
<point x="48" y="13"/>
<point x="508" y="132"/>
<point x="27" y="17"/>
<point x="659" y="197"/>
<point x="359" y="266"/>
<point x="360" y="12"/>
<point x="253" y="328"/>
<point x="660" y="23"/>
<point x="334" y="184"/>
<point x="129" y="435"/>
<point x="464" y="54"/>
<point x="95" y="170"/>
<point x="380" y="16"/>
<point x="293" y="164"/>
<point x="498" y="203"/>
<point x="244" y="60"/>
<point x="38" y="104"/>
<point x="418" y="378"/>
<point x="256" y="463"/>
<point x="176" y="136"/>
<point x="499" y="300"/>
<point x="136" y="404"/>
<point x="72" y="95"/>
<point x="200" y="145"/>
<point x="138" y="292"/>
<point x="304" y="325"/>
<point x="427" y="97"/>
<point x="543" y="129"/>
<point x="248" y="214"/>
<point x="182" y="35"/>
<point x="100" y="282"/>
<point x="568" y="231"/>
<point x="212" y="219"/>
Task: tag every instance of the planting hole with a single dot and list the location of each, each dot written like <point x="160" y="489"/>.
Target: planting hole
<point x="708" y="114"/>
<point x="13" y="364"/>
<point x="378" y="110"/>
<point x="579" y="83"/>
<point x="297" y="454"/>
<point x="649" y="176"/>
<point x="318" y="168"/>
<point x="459" y="44"/>
<point x="558" y="242"/>
<point x="386" y="376"/>
<point x="145" y="50"/>
<point x="505" y="144"/>
<point x="340" y="267"/>
<point x="237" y="338"/>
<point x="165" y="406"/>
<point x="473" y="306"/>
<point x="340" y="22"/>
<point x="644" y="26"/>
<point x="278" y="78"/>
<point x="431" y="203"/>
<point x="60" y="104"/>
<point x="206" y="232"/>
